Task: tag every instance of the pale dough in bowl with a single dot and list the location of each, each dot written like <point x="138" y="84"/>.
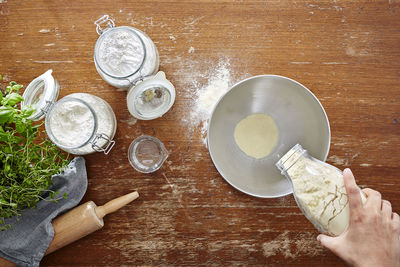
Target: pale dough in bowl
<point x="256" y="135"/>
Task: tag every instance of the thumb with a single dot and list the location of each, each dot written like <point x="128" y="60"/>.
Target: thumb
<point x="327" y="241"/>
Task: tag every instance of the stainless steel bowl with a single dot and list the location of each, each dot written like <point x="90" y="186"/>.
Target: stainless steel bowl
<point x="299" y="116"/>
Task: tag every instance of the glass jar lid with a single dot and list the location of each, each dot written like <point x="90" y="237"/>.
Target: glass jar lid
<point x="41" y="93"/>
<point x="71" y="123"/>
<point x="119" y="52"/>
<point x="151" y="98"/>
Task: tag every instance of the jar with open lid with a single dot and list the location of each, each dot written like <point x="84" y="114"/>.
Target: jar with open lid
<point x="123" y="55"/>
<point x="79" y="123"/>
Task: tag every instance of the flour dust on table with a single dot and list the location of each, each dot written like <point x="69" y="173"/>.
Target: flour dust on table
<point x="207" y="96"/>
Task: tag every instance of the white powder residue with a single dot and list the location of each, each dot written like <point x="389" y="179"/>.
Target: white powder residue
<point x="191" y="50"/>
<point x="292" y="246"/>
<point x="131" y="121"/>
<point x="207" y="96"/>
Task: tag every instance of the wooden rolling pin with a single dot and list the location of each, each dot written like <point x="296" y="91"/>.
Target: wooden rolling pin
<point x="80" y="222"/>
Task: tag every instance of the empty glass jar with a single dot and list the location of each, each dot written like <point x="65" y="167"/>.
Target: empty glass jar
<point x="147" y="154"/>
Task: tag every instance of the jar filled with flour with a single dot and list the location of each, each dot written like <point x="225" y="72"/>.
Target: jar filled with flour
<point x="127" y="58"/>
<point x="318" y="189"/>
<point x="123" y="55"/>
<point x="78" y="123"/>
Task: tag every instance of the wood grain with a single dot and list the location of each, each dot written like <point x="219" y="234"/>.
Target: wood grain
<point x="346" y="52"/>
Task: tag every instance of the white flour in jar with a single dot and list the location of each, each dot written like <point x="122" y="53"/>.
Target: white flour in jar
<point x="319" y="191"/>
<point x="72" y="122"/>
<point x="121" y="54"/>
<point x="106" y="121"/>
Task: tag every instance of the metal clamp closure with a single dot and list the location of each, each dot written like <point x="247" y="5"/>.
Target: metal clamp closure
<point x="47" y="106"/>
<point x="102" y="20"/>
<point x="135" y="81"/>
<point x="107" y="148"/>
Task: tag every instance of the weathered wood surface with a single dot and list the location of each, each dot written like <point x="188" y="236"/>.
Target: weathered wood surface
<point x="346" y="52"/>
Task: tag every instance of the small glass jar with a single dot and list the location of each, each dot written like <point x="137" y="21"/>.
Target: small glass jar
<point x="79" y="123"/>
<point x="318" y="189"/>
<point x="123" y="55"/>
<point x="151" y="98"/>
<point x="147" y="154"/>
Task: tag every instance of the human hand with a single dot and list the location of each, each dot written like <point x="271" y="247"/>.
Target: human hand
<point x="372" y="237"/>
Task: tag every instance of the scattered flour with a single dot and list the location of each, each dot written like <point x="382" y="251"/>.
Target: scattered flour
<point x="292" y="246"/>
<point x="207" y="96"/>
<point x="338" y="161"/>
<point x="365" y="165"/>
<point x="44" y="30"/>
<point x="131" y="121"/>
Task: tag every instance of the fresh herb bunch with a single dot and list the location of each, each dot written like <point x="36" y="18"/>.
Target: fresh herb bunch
<point x="27" y="158"/>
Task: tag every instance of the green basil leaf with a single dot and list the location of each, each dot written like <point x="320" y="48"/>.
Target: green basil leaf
<point x="16" y="87"/>
<point x="6" y="113"/>
<point x="20" y="126"/>
<point x="3" y="137"/>
<point x="27" y="111"/>
<point x="12" y="99"/>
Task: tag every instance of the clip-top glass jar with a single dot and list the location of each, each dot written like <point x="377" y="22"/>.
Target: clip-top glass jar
<point x="123" y="55"/>
<point x="318" y="189"/>
<point x="79" y="123"/>
<point x="151" y="98"/>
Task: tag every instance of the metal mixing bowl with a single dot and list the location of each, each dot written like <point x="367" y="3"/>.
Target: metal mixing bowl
<point x="299" y="116"/>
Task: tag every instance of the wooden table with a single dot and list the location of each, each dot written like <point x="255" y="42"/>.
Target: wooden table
<point x="346" y="52"/>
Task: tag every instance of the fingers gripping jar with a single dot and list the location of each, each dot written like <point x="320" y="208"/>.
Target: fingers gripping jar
<point x="79" y="123"/>
<point x="318" y="189"/>
<point x="123" y="55"/>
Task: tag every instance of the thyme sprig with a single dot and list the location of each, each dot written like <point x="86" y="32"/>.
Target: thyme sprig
<point x="28" y="159"/>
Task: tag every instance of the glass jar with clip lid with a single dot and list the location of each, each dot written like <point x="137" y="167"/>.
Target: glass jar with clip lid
<point x="123" y="55"/>
<point x="79" y="123"/>
<point x="127" y="58"/>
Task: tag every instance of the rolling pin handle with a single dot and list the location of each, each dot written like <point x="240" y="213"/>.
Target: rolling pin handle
<point x="115" y="204"/>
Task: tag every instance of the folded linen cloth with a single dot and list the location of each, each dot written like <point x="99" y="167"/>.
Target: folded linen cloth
<point x="31" y="235"/>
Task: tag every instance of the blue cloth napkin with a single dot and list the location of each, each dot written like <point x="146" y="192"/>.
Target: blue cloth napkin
<point x="31" y="235"/>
